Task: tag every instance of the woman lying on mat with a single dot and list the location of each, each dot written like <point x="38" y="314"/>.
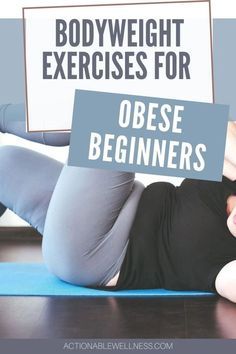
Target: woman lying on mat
<point x="102" y="229"/>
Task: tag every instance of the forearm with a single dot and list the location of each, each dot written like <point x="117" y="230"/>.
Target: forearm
<point x="12" y="121"/>
<point x="229" y="170"/>
<point x="230" y="146"/>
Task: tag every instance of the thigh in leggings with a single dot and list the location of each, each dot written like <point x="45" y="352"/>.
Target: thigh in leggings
<point x="27" y="181"/>
<point x="90" y="212"/>
<point x="88" y="222"/>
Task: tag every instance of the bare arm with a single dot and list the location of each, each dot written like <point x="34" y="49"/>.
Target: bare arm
<point x="230" y="152"/>
<point x="225" y="282"/>
<point x="229" y="170"/>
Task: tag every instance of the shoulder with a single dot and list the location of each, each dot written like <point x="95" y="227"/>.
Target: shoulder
<point x="225" y="282"/>
<point x="159" y="186"/>
<point x="157" y="192"/>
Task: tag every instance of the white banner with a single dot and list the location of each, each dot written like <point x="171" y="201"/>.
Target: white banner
<point x="140" y="49"/>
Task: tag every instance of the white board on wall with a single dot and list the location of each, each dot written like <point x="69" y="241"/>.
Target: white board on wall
<point x="13" y="8"/>
<point x="50" y="101"/>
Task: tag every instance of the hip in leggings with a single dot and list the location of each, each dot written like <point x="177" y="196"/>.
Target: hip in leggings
<point x="84" y="215"/>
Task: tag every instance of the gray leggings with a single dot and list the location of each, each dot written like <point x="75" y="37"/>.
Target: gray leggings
<point x="84" y="215"/>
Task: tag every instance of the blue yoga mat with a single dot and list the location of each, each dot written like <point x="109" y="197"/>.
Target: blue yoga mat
<point x="33" y="279"/>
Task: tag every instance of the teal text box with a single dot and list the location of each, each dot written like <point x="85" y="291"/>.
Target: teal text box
<point x="202" y="124"/>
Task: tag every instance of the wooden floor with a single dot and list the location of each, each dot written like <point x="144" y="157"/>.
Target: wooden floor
<point x="64" y="317"/>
